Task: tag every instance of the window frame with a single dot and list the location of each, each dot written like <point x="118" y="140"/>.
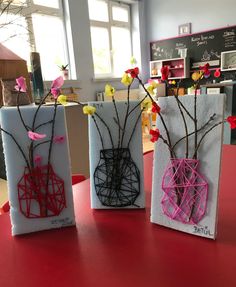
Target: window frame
<point x="27" y="12"/>
<point x="108" y="25"/>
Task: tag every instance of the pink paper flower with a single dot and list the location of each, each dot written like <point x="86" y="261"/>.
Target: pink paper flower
<point x="35" y="136"/>
<point x="56" y="85"/>
<point x="21" y="85"/>
<point x="59" y="139"/>
<point x="38" y="160"/>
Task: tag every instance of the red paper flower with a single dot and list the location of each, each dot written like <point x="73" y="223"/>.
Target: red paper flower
<point x="232" y="121"/>
<point x="217" y="73"/>
<point x="155" y="108"/>
<point x="164" y="73"/>
<point x="206" y="70"/>
<point x="155" y="135"/>
<point x="133" y="72"/>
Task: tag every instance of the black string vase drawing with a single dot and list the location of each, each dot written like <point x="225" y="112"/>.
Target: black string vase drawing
<point x="116" y="176"/>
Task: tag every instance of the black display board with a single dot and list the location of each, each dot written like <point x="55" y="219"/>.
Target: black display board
<point x="201" y="47"/>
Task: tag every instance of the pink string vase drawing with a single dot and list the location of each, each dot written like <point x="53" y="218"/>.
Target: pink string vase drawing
<point x="185" y="191"/>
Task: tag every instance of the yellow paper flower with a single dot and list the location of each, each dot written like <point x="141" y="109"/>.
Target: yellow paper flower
<point x="62" y="99"/>
<point x="151" y="88"/>
<point x="197" y="76"/>
<point x="109" y="90"/>
<point x="126" y="79"/>
<point x="133" y="61"/>
<point x="89" y="110"/>
<point x="173" y="82"/>
<point x="146" y="104"/>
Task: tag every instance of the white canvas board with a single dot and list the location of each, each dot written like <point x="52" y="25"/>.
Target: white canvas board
<point x="107" y="112"/>
<point x="209" y="155"/>
<point x="15" y="164"/>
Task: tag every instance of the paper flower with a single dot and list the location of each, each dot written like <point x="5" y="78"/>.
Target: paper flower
<point x="37" y="160"/>
<point x="55" y="92"/>
<point x="89" y="110"/>
<point x="35" y="136"/>
<point x="146" y="104"/>
<point x="205" y="70"/>
<point x="155" y="108"/>
<point x="232" y="121"/>
<point x="62" y="99"/>
<point x="109" y="90"/>
<point x="21" y="85"/>
<point x="164" y="73"/>
<point x="217" y="73"/>
<point x="133" y="72"/>
<point x="197" y="76"/>
<point x="133" y="60"/>
<point x="126" y="79"/>
<point x="56" y="85"/>
<point x="152" y="87"/>
<point x="59" y="139"/>
<point x="155" y="135"/>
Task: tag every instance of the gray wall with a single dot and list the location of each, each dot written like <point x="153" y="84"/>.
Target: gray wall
<point x="165" y="16"/>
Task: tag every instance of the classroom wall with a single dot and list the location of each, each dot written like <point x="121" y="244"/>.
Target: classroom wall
<point x="164" y="17"/>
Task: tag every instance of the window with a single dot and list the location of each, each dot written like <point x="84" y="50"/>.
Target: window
<point x="35" y="25"/>
<point x="110" y="37"/>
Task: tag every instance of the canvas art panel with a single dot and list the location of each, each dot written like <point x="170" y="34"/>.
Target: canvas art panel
<point x="116" y="175"/>
<point x="35" y="207"/>
<point x="203" y="221"/>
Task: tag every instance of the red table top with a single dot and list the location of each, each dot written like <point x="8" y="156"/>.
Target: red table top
<point x="122" y="248"/>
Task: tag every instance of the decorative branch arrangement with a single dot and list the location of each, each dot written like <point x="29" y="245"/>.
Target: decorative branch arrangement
<point x="116" y="177"/>
<point x="39" y="186"/>
<point x="185" y="189"/>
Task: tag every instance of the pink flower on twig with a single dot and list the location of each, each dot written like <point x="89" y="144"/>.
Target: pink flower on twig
<point x="21" y="85"/>
<point x="38" y="160"/>
<point x="35" y="136"/>
<point x="59" y="139"/>
<point x="56" y="85"/>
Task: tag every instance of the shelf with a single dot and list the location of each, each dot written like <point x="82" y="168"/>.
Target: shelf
<point x="176" y="68"/>
<point x="175" y="72"/>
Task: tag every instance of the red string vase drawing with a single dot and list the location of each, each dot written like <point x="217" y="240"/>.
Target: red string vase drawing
<point x="41" y="193"/>
<point x="185" y="191"/>
<point x="117" y="178"/>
